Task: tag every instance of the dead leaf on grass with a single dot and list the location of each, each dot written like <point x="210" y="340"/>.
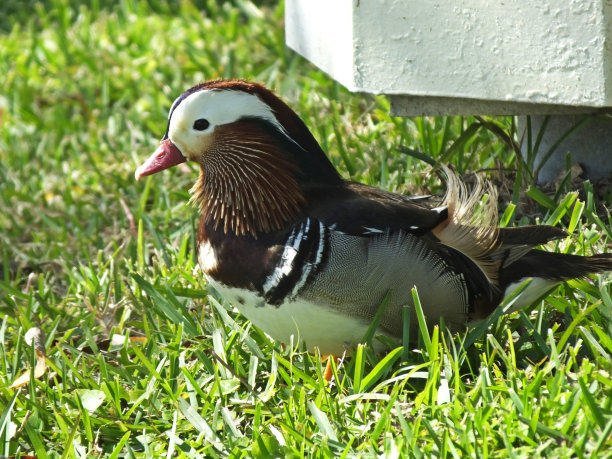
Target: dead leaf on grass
<point x="33" y="337"/>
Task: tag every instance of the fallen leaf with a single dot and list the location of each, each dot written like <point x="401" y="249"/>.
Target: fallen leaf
<point x="34" y="337"/>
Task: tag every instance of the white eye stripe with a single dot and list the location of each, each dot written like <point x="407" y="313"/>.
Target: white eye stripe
<point x="219" y="107"/>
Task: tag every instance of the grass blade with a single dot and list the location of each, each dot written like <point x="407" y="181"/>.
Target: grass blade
<point x="322" y="421"/>
<point x="424" y="333"/>
<point x="380" y="370"/>
<point x="373" y="327"/>
<point x="168" y="308"/>
<point x="502" y="309"/>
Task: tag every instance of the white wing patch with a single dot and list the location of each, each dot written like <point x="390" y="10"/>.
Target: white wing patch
<point x="309" y="266"/>
<point x="285" y="265"/>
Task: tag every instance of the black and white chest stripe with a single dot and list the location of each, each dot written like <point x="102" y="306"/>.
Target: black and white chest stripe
<point x="303" y="255"/>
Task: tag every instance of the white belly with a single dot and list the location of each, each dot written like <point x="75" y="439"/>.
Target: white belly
<point x="332" y="332"/>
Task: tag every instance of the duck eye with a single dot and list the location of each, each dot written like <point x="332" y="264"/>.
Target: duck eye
<point x="201" y="124"/>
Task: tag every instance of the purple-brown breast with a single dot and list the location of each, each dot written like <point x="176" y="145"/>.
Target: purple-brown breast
<point x="242" y="261"/>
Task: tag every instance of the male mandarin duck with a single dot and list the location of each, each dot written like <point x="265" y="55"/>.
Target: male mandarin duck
<point x="300" y="251"/>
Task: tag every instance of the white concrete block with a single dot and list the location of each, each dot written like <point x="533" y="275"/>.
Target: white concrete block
<point x="441" y="57"/>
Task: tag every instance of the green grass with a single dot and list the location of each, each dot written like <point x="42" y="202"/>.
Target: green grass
<point x="88" y="254"/>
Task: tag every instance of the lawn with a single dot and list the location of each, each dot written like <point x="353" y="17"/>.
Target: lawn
<point x="136" y="359"/>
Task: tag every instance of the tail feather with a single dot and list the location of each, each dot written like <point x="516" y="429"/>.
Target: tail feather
<point x="531" y="235"/>
<point x="555" y="266"/>
<point x="471" y="228"/>
<point x="515" y="243"/>
<point x="506" y="255"/>
<point x="547" y="270"/>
